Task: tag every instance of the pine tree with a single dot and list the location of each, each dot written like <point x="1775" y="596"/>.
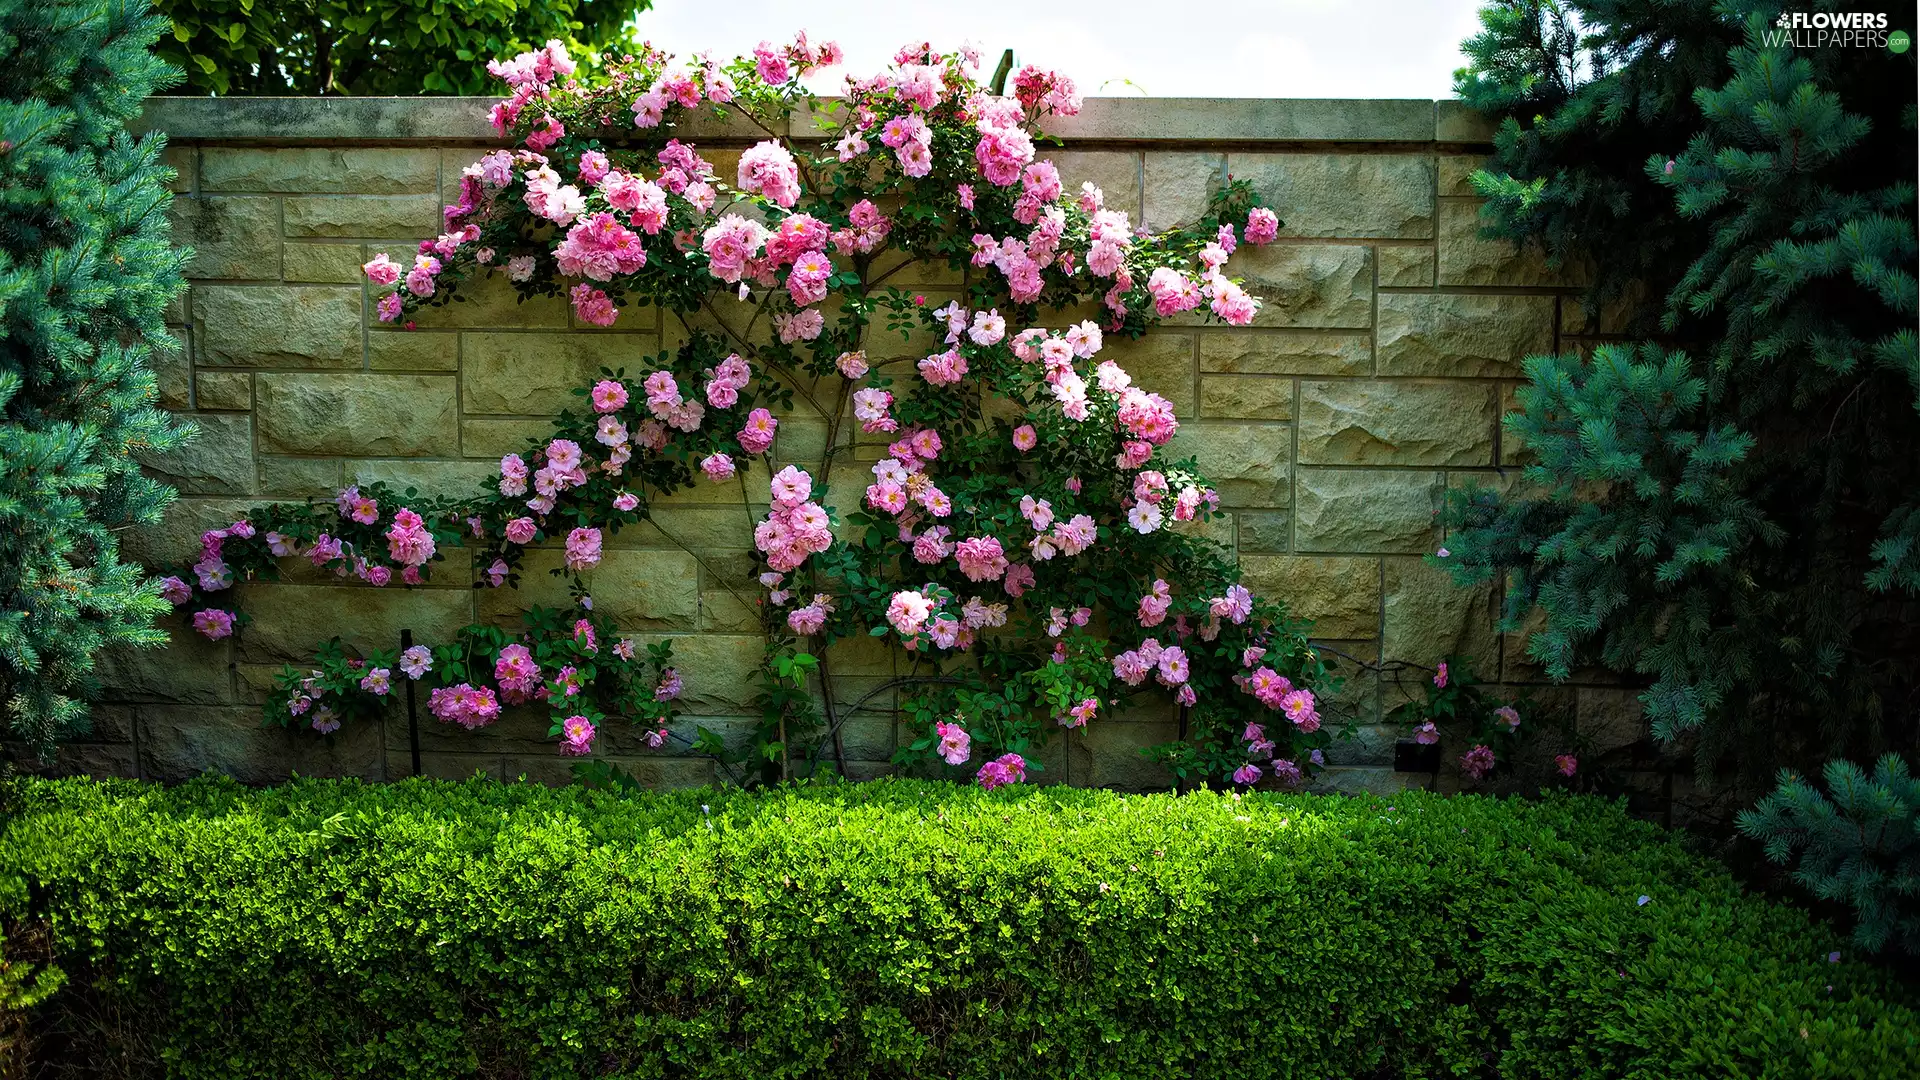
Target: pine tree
<point x="1733" y="516"/>
<point x="1861" y="848"/>
<point x="86" y="273"/>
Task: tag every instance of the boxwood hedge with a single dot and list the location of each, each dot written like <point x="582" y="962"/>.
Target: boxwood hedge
<point x="328" y="929"/>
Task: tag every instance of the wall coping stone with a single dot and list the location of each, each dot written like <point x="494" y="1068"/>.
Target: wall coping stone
<point x="1265" y="122"/>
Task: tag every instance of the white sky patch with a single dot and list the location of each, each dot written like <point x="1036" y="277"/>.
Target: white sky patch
<point x="1275" y="48"/>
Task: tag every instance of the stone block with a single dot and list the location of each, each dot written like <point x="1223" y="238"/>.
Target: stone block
<point x="217" y="461"/>
<point x="490" y="301"/>
<point x="1247" y="352"/>
<point x="1513" y="446"/>
<point x="1178" y="186"/>
<point x="177" y="534"/>
<point x="315" y="169"/>
<point x="189" y="669"/>
<point x="101" y="761"/>
<point x="489" y="437"/>
<point x="1370" y="422"/>
<point x="1429" y="618"/>
<point x="1246" y="397"/>
<point x="638" y="590"/>
<point x="1321" y="286"/>
<point x="1387" y="196"/>
<point x="1463" y="336"/>
<point x="1116" y="173"/>
<point x="1456" y="174"/>
<point x="1610" y="718"/>
<point x="721" y="671"/>
<point x="385" y="415"/>
<point x="1248" y="463"/>
<point x="333" y="264"/>
<point x="289" y="620"/>
<point x="1468" y="259"/>
<point x="179" y="742"/>
<point x="372" y="216"/>
<point x="309" y="326"/>
<point x="1340" y="594"/>
<point x="183" y="160"/>
<point x="1161" y="363"/>
<point x="536" y="374"/>
<point x="1370" y="744"/>
<point x="1116" y="756"/>
<point x="1367" y="780"/>
<point x="232" y="237"/>
<point x="693" y="528"/>
<point x="418" y="350"/>
<point x="299" y="478"/>
<point x="1367" y="510"/>
<point x="173" y="370"/>
<point x="1265" y="533"/>
<point x="225" y="391"/>
<point x="430" y="478"/>
<point x="1403" y="267"/>
<point x="1454" y="122"/>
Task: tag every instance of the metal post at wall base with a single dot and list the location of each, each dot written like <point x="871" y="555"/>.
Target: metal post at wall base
<point x="413" y="715"/>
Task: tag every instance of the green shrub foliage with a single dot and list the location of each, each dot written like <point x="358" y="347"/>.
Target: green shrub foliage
<point x="899" y="928"/>
<point x="86" y="274"/>
<point x="1731" y="511"/>
<point x="1861" y="848"/>
<point x="279" y="47"/>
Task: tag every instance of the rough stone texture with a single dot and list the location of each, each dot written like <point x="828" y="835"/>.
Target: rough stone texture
<point x="1403" y="267"/>
<point x="1246" y="397"/>
<point x="227" y="391"/>
<point x="644" y="590"/>
<point x="276" y="326"/>
<point x="1462" y="335"/>
<point x="362" y="215"/>
<point x="219" y="461"/>
<point x="1312" y="285"/>
<point x="537" y="373"/>
<point x="289" y="619"/>
<point x="1356" y="422"/>
<point x="1467" y="259"/>
<point x="1389" y="196"/>
<point x="388" y="415"/>
<point x="419" y="350"/>
<point x="1260" y="353"/>
<point x="1116" y="174"/>
<point x="337" y="264"/>
<point x="1340" y="593"/>
<point x="319" y="170"/>
<point x="1178" y="186"/>
<point x="1429" y="618"/>
<point x="1247" y="462"/>
<point x="1366" y="510"/>
<point x="233" y="237"/>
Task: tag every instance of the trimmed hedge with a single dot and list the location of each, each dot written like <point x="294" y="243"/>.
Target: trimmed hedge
<point x="329" y="929"/>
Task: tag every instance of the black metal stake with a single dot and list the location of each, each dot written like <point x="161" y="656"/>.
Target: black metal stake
<point x="413" y="716"/>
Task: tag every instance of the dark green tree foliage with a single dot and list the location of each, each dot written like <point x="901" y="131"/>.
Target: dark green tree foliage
<point x="86" y="272"/>
<point x="280" y="47"/>
<point x="1862" y="848"/>
<point x="1730" y="514"/>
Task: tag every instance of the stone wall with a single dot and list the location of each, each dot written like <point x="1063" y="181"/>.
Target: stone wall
<point x="1373" y="379"/>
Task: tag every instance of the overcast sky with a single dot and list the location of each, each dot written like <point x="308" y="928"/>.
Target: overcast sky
<point x="1166" y="48"/>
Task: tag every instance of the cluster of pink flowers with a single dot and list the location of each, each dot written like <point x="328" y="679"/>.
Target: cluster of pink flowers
<point x="576" y="735"/>
<point x="1168" y="664"/>
<point x="1276" y="691"/>
<point x="598" y="247"/>
<point x="409" y="541"/>
<point x="464" y="705"/>
<point x="768" y="170"/>
<point x="517" y="674"/>
<point x="668" y="406"/>
<point x="1003" y="770"/>
<point x="956" y="746"/>
<point x="1477" y="762"/>
<point x="794" y="528"/>
<point x="583" y="549"/>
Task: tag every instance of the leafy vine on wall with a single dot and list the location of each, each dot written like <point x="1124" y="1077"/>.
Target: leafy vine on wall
<point x="1024" y="536"/>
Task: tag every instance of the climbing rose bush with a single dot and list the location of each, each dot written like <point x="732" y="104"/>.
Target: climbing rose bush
<point x="1025" y="535"/>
